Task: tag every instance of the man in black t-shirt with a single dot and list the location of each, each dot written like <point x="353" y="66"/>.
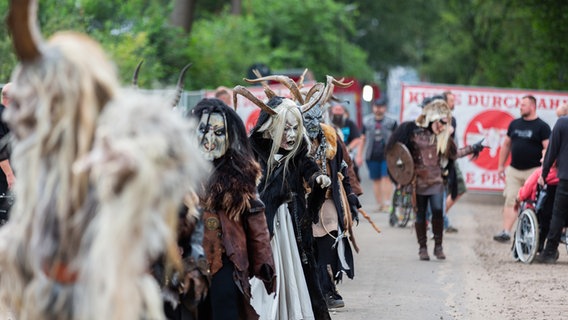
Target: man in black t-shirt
<point x="526" y="137"/>
<point x="350" y="133"/>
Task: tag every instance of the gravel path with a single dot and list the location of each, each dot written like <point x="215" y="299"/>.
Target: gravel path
<point x="479" y="279"/>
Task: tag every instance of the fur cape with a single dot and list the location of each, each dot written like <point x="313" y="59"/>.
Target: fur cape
<point x="278" y="190"/>
<point x="231" y="190"/>
<point x="341" y="184"/>
<point x="331" y="139"/>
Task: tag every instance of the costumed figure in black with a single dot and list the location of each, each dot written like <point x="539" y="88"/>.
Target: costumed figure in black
<point x="184" y="288"/>
<point x="184" y="284"/>
<point x="236" y="239"/>
<point x="279" y="142"/>
<point x="333" y="231"/>
<point x="433" y="151"/>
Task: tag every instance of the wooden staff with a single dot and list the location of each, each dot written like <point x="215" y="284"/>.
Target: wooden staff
<point x="369" y="219"/>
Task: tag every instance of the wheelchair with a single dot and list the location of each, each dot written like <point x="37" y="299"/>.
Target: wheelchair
<point x="528" y="239"/>
<point x="401" y="211"/>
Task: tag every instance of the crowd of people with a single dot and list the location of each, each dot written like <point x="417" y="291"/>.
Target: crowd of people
<point x="118" y="199"/>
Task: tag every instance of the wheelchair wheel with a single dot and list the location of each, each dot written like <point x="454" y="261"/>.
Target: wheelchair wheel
<point x="405" y="213"/>
<point x="526" y="236"/>
<point x="396" y="205"/>
<point x="401" y="210"/>
<point x="566" y="239"/>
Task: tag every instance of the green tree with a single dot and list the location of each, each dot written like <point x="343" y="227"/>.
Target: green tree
<point x="138" y="29"/>
<point x="512" y="43"/>
<point x="311" y="34"/>
<point x="545" y="53"/>
<point x="467" y="44"/>
<point x="222" y="49"/>
<point x="393" y="33"/>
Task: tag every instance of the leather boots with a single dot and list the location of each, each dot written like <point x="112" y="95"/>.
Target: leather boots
<point x="422" y="239"/>
<point x="438" y="230"/>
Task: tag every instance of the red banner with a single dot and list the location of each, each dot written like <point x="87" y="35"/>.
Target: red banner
<point x="482" y="113"/>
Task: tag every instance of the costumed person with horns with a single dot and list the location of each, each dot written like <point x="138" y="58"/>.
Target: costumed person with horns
<point x="333" y="231"/>
<point x="433" y="152"/>
<point x="87" y="223"/>
<point x="185" y="287"/>
<point x="236" y="239"/>
<point x="281" y="147"/>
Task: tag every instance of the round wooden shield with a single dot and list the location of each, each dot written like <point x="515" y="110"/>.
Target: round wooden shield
<point x="400" y="164"/>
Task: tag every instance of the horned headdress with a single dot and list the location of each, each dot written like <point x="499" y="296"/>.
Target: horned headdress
<point x="179" y="86"/>
<point x="436" y="110"/>
<point x="272" y="121"/>
<point x="48" y="250"/>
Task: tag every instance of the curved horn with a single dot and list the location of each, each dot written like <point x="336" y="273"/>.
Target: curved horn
<point x="324" y="94"/>
<point x="341" y="84"/>
<point x="315" y="88"/>
<point x="247" y="94"/>
<point x="331" y="83"/>
<point x="22" y="23"/>
<point x="300" y="82"/>
<point x="321" y="90"/>
<point x="135" y="76"/>
<point x="328" y="92"/>
<point x="289" y="83"/>
<point x="179" y="87"/>
<point x="269" y="93"/>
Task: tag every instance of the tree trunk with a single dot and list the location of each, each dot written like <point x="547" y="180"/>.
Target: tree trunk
<point x="236" y="7"/>
<point x="183" y="14"/>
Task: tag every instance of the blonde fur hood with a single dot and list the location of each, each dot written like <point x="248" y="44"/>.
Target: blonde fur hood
<point x="331" y="139"/>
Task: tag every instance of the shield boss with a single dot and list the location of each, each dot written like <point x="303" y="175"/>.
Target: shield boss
<point x="400" y="164"/>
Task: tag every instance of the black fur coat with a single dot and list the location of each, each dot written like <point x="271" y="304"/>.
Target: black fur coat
<point x="279" y="189"/>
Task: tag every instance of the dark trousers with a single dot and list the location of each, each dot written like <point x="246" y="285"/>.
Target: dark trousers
<point x="544" y="215"/>
<point x="558" y="221"/>
<point x="436" y="202"/>
<point x="326" y="256"/>
<point x="224" y="301"/>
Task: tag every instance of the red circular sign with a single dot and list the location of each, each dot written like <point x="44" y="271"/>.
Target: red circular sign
<point x="492" y="127"/>
<point x="252" y="119"/>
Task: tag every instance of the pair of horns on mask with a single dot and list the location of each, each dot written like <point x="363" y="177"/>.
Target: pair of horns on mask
<point x="318" y="94"/>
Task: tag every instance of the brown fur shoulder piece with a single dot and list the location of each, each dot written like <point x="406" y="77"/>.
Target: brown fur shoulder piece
<point x="231" y="190"/>
<point x="331" y="138"/>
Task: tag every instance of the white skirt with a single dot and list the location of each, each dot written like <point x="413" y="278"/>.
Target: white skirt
<point x="291" y="301"/>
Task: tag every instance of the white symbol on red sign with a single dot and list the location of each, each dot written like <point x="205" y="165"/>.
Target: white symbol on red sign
<point x="492" y="126"/>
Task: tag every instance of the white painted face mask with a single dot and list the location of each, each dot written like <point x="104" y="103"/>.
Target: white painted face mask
<point x="212" y="135"/>
<point x="290" y="133"/>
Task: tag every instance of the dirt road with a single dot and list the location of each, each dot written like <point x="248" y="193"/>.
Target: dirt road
<point x="479" y="279"/>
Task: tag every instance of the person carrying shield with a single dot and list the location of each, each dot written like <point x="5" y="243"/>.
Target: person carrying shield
<point x="432" y="153"/>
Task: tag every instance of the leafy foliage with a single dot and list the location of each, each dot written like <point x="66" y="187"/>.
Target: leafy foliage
<point x="223" y="49"/>
<point x="311" y="34"/>
<point x="508" y="43"/>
